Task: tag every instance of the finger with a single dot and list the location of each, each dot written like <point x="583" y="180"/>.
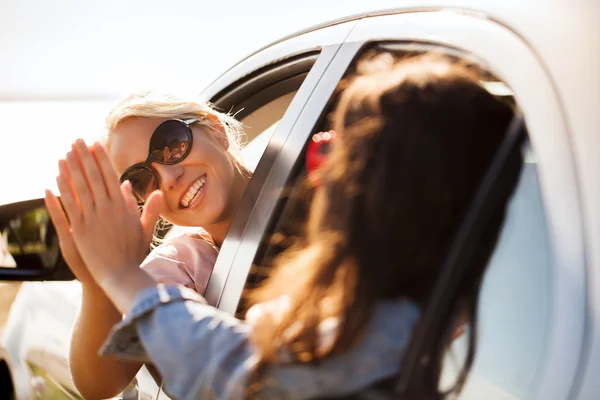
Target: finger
<point x="80" y="184"/>
<point x="130" y="200"/>
<point x="65" y="175"/>
<point x="58" y="217"/>
<point x="71" y="207"/>
<point x="150" y="214"/>
<point x="107" y="170"/>
<point x="91" y="171"/>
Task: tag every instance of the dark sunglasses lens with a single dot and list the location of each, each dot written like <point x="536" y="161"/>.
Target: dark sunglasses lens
<point x="170" y="141"/>
<point x="142" y="182"/>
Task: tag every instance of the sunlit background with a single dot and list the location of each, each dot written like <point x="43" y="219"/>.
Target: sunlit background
<point x="65" y="63"/>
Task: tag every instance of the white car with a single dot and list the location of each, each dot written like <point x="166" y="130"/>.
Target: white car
<point x="539" y="314"/>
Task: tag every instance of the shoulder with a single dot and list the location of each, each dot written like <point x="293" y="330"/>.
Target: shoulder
<point x="185" y="259"/>
<point x="375" y="357"/>
<point x="185" y="243"/>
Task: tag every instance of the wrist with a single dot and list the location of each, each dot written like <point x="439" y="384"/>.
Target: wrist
<point x="123" y="287"/>
<point x="92" y="289"/>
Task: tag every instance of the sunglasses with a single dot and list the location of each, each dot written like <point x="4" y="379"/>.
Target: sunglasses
<point x="170" y="143"/>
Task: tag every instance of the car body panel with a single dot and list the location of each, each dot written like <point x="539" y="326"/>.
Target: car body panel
<point x="545" y="117"/>
<point x="536" y="95"/>
<point x="38" y="331"/>
<point x="312" y="40"/>
<point x="237" y="235"/>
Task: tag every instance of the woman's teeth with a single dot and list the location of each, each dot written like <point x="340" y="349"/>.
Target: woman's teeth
<point x="194" y="192"/>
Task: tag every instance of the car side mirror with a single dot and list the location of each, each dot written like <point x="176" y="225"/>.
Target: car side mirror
<point x="29" y="249"/>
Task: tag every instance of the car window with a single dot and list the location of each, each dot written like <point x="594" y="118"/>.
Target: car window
<point x="260" y="100"/>
<point x="260" y="125"/>
<point x="6" y="258"/>
<point x="515" y="302"/>
<point x="28" y="238"/>
<point x="259" y="110"/>
<point x="516" y="298"/>
<point x="254" y="150"/>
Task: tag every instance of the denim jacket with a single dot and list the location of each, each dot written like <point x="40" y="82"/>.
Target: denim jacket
<point x="204" y="353"/>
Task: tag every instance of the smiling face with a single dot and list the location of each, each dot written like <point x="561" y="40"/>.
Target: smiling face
<point x="202" y="190"/>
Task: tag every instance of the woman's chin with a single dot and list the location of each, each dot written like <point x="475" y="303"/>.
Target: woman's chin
<point x="198" y="217"/>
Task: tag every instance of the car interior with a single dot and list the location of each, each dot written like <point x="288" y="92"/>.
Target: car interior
<point x="293" y="207"/>
<point x="519" y="257"/>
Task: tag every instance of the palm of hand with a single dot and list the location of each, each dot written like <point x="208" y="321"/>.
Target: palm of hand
<point x="68" y="248"/>
<point x="110" y="240"/>
<point x="108" y="234"/>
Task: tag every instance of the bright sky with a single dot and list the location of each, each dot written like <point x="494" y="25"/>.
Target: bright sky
<point x="73" y="48"/>
<point x="65" y="63"/>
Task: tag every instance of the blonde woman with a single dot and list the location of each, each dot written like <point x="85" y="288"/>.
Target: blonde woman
<point x="188" y="151"/>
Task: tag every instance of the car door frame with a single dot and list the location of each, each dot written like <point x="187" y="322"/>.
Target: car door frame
<point x="498" y="46"/>
<point x="327" y="41"/>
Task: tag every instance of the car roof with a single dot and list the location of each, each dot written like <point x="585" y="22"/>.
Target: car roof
<point x="522" y="17"/>
<point x="562" y="34"/>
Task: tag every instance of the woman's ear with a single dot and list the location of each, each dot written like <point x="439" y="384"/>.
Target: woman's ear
<point x="221" y="133"/>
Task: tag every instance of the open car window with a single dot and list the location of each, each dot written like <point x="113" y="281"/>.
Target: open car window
<point x="255" y="149"/>
<point x="516" y="298"/>
<point x="259" y="101"/>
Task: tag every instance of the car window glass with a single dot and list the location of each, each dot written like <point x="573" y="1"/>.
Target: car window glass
<point x="515" y="301"/>
<point x="254" y="149"/>
<point x="261" y="119"/>
<point x="260" y="100"/>
<point x="28" y="239"/>
<point x="260" y="125"/>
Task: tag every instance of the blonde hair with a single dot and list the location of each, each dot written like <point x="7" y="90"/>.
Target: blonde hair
<point x="157" y="105"/>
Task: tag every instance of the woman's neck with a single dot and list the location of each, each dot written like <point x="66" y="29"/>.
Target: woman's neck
<point x="219" y="230"/>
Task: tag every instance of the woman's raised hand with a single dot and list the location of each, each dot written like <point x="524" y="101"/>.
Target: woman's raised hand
<point x="68" y="249"/>
<point x="106" y="227"/>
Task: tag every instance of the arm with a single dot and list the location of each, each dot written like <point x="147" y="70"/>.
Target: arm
<point x="93" y="324"/>
<point x="208" y="355"/>
<point x="111" y="238"/>
<point x="200" y="351"/>
<point x="204" y="353"/>
<point x="186" y="260"/>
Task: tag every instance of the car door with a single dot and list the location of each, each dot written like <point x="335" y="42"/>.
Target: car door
<point x="533" y="301"/>
<point x="270" y="90"/>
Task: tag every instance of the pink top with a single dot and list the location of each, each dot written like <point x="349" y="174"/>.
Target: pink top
<point x="183" y="260"/>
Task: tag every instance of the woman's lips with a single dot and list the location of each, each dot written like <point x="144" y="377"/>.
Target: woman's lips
<point x="194" y="193"/>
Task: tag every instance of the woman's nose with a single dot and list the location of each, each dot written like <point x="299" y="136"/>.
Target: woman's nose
<point x="169" y="174"/>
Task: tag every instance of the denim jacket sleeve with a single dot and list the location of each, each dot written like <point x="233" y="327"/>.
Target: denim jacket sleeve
<point x="202" y="352"/>
<point x="199" y="351"/>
